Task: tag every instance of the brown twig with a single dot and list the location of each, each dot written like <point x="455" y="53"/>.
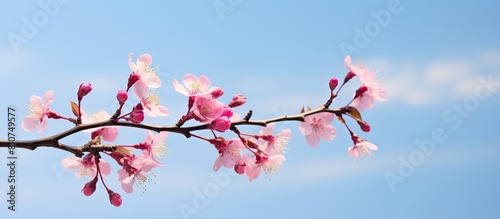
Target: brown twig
<point x="53" y="141"/>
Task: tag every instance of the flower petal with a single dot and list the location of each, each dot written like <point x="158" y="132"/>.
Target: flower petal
<point x="312" y="140"/>
<point x="180" y="88"/>
<point x="189" y="79"/>
<point x="49" y="97"/>
<point x="104" y="167"/>
<point x="146" y="58"/>
<point x="347" y="61"/>
<point x="353" y="151"/>
<point x="29" y="124"/>
<point x="131" y="64"/>
<point x="43" y="124"/>
<point x="160" y="110"/>
<point x="140" y="88"/>
<point x="152" y="80"/>
<point x="127" y="184"/>
<point x="72" y="163"/>
<point x="34" y="99"/>
<point x="109" y="134"/>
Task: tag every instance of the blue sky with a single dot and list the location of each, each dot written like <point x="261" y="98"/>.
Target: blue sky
<point x="435" y="58"/>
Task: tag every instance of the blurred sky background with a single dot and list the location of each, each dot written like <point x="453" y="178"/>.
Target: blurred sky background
<point x="434" y="58"/>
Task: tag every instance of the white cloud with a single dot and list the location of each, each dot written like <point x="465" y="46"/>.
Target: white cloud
<point x="421" y="83"/>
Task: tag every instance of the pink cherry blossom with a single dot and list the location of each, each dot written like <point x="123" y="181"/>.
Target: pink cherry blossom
<point x="355" y="69"/>
<point x="373" y="91"/>
<point x="39" y="111"/>
<point x="152" y="107"/>
<point x="206" y="109"/>
<point x="362" y="147"/>
<point x="108" y="133"/>
<point x="274" y="144"/>
<point x="194" y="86"/>
<point x="267" y="164"/>
<point x="229" y="154"/>
<point x="86" y="167"/>
<point x="318" y="126"/>
<point x="137" y="171"/>
<point x="148" y="77"/>
<point x="154" y="146"/>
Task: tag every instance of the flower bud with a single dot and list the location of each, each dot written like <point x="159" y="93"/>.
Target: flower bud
<point x="53" y="115"/>
<point x="221" y="124"/>
<point x="137" y="116"/>
<point x="122" y="96"/>
<point x="134" y="77"/>
<point x="114" y="198"/>
<point x="83" y="90"/>
<point x="90" y="187"/>
<point x="364" y="126"/>
<point x="237" y="100"/>
<point x="239" y="168"/>
<point x="217" y="93"/>
<point x="349" y="76"/>
<point x="360" y="91"/>
<point x="333" y="83"/>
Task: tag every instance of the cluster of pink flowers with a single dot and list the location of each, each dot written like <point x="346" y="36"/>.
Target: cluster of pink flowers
<point x="247" y="154"/>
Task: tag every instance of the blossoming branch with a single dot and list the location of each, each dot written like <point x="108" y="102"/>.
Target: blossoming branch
<point x="249" y="154"/>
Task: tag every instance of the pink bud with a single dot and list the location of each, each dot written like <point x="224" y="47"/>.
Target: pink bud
<point x="333" y="83"/>
<point x="239" y="168"/>
<point x="227" y="111"/>
<point x="360" y="91"/>
<point x="237" y="100"/>
<point x="349" y="76"/>
<point x="134" y="77"/>
<point x="137" y="116"/>
<point x="364" y="126"/>
<point x="90" y="187"/>
<point x="83" y="90"/>
<point x="53" y="115"/>
<point x="221" y="124"/>
<point x="217" y="93"/>
<point x="114" y="198"/>
<point x="122" y="96"/>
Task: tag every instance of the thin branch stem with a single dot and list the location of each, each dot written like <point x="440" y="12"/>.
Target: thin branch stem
<point x="53" y="141"/>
